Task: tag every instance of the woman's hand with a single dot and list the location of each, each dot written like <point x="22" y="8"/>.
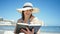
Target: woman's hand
<point x="28" y="31"/>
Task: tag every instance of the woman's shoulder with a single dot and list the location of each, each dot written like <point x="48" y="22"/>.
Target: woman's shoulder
<point x="35" y="18"/>
<point x="19" y="20"/>
<point x="37" y="21"/>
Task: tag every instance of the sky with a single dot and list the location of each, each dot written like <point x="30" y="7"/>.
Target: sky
<point x="49" y="10"/>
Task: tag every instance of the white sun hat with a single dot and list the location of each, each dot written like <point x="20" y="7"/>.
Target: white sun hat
<point x="28" y="6"/>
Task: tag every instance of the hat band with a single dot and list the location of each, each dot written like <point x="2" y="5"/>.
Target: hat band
<point x="27" y="6"/>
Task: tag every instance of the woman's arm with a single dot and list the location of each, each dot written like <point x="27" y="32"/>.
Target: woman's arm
<point x="38" y="31"/>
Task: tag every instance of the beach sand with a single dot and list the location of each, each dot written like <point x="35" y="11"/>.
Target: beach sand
<point x="49" y="33"/>
<point x="11" y="32"/>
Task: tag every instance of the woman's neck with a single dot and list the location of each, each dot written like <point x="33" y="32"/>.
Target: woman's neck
<point x="27" y="17"/>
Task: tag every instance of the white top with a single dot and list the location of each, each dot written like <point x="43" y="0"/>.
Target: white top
<point x="37" y="21"/>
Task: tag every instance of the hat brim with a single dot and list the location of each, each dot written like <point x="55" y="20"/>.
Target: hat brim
<point x="35" y="10"/>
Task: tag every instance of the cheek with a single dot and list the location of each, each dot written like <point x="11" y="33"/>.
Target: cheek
<point x="24" y="13"/>
<point x="30" y="13"/>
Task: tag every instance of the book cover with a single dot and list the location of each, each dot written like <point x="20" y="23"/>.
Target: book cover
<point x="30" y="26"/>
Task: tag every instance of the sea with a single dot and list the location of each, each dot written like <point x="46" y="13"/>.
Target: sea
<point x="43" y="28"/>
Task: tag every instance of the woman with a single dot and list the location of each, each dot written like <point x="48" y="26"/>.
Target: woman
<point x="28" y="18"/>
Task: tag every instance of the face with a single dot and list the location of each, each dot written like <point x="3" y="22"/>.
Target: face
<point x="28" y="12"/>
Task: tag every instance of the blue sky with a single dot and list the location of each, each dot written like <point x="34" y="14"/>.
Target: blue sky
<point x="49" y="10"/>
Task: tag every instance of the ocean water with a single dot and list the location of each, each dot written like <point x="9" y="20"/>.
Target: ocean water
<point x="43" y="28"/>
<point x="50" y="29"/>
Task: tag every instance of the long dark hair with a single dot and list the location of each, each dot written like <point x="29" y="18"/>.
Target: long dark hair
<point x="23" y="17"/>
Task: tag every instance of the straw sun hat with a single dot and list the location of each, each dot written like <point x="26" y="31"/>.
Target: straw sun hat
<point x="28" y="6"/>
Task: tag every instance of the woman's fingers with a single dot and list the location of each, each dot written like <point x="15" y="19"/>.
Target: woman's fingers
<point x="27" y="29"/>
<point x="32" y="30"/>
<point x="24" y="30"/>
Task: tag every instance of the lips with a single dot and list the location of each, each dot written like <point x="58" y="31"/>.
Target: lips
<point x="27" y="13"/>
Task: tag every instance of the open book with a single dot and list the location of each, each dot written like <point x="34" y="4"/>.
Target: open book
<point x="30" y="26"/>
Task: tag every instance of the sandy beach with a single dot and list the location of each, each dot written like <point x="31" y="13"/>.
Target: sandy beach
<point x="11" y="32"/>
<point x="49" y="33"/>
